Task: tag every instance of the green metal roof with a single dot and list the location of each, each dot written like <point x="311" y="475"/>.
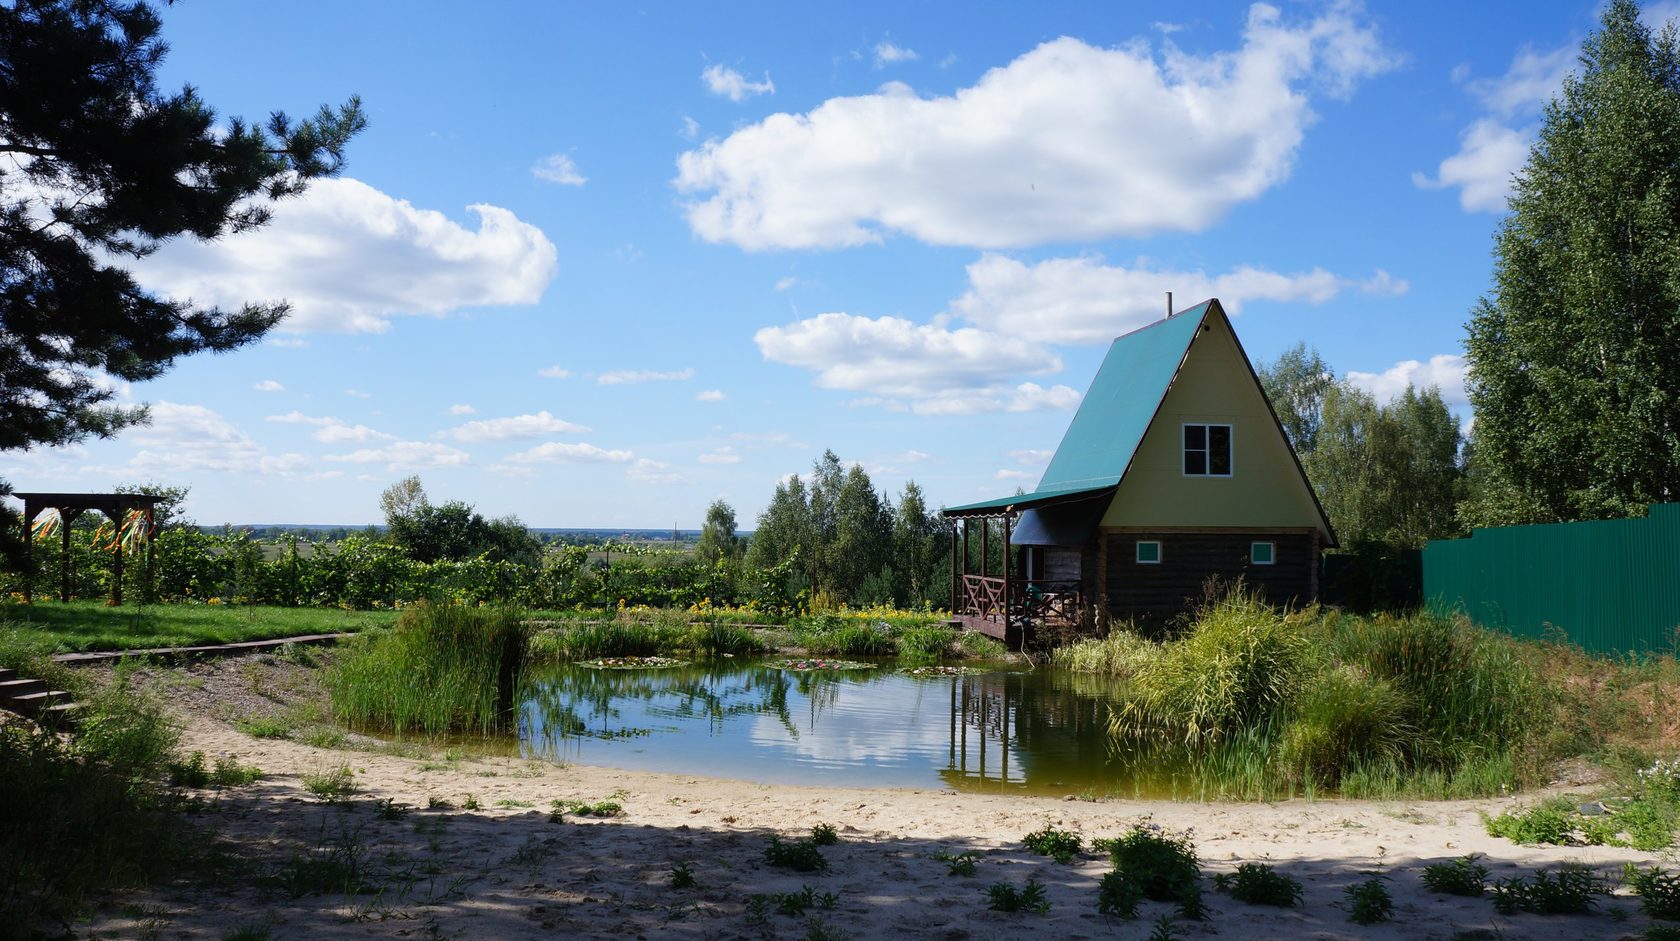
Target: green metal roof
<point x="1113" y="416"/>
<point x="1026" y="501"/>
<point x="1122" y="401"/>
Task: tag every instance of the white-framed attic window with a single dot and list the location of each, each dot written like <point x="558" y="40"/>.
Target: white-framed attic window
<point x="1262" y="553"/>
<point x="1207" y="450"/>
<point x="1149" y="552"/>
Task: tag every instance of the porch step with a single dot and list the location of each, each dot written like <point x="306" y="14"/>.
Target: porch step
<point x="12" y="689"/>
<point x="7" y="674"/>
<point x="33" y="704"/>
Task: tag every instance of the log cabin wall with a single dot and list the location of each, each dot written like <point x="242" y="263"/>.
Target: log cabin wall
<point x="1188" y="559"/>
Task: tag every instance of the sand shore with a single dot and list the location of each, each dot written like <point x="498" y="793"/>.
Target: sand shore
<point x="506" y="870"/>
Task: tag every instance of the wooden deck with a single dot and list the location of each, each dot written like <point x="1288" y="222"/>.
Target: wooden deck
<point x="1031" y="603"/>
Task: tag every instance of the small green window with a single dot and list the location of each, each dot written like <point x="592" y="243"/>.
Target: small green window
<point x="1262" y="553"/>
<point x="1148" y="552"/>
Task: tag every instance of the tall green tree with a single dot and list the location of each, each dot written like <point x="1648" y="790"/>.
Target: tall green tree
<point x="1575" y="355"/>
<point x="718" y="541"/>
<point x="920" y="549"/>
<point x="100" y="168"/>
<point x="1387" y="473"/>
<point x="1296" y="383"/>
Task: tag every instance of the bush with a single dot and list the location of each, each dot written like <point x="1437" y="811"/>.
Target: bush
<point x="84" y="812"/>
<point x="1343" y="719"/>
<point x="1571" y="891"/>
<point x="799" y="855"/>
<point x="1659" y="893"/>
<point x="1239" y="664"/>
<point x="1369" y="901"/>
<point x="1542" y="824"/>
<point x="1003" y="897"/>
<point x="1118" y="895"/>
<point x="440" y="670"/>
<point x="1462" y="876"/>
<point x="1119" y="653"/>
<point x="1260" y="884"/>
<point x="1060" y="845"/>
<point x="1163" y="868"/>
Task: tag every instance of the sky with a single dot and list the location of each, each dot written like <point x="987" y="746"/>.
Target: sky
<point x="601" y="265"/>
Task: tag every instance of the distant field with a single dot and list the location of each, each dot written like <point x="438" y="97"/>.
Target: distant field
<point x="90" y="625"/>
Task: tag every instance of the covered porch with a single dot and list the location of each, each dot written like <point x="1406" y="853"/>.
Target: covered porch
<point x="1020" y="563"/>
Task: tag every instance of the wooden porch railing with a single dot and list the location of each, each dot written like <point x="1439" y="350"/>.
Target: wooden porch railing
<point x="1034" y="601"/>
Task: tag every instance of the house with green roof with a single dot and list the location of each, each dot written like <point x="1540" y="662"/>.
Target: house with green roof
<point x="1174" y="474"/>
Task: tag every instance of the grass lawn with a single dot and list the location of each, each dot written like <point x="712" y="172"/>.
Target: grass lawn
<point x="91" y="625"/>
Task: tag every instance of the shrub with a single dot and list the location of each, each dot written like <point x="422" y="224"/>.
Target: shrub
<point x="1542" y="824"/>
<point x="1462" y="876"/>
<point x="1260" y="884"/>
<point x="824" y="834"/>
<point x="1659" y="893"/>
<point x="1570" y="892"/>
<point x="926" y="644"/>
<point x="1119" y="653"/>
<point x="799" y="855"/>
<point x="1060" y="845"/>
<point x="1164" y="868"/>
<point x="1369" y="901"/>
<point x="440" y="670"/>
<point x="1345" y="718"/>
<point x="1239" y="664"/>
<point x="1118" y="895"/>
<point x="1003" y="897"/>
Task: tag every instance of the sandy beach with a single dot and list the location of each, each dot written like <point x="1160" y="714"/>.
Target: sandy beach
<point x="466" y="848"/>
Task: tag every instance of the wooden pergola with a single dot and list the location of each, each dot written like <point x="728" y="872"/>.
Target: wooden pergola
<point x="115" y="506"/>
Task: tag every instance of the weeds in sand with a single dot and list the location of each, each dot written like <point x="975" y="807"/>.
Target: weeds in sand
<point x="389" y="809"/>
<point x="758" y="911"/>
<point x="1059" y="845"/>
<point x="1462" y="876"/>
<point x="335" y="865"/>
<point x="798" y="855"/>
<point x="1571" y="891"/>
<point x="1369" y="901"/>
<point x="1003" y="897"/>
<point x="530" y="855"/>
<point x="959" y="864"/>
<point x="682" y="877"/>
<point x="824" y="834"/>
<point x="249" y="933"/>
<point x="227" y="772"/>
<point x="1658" y="891"/>
<point x="818" y="930"/>
<point x="438" y="803"/>
<point x="471" y="803"/>
<point x="264" y="726"/>
<point x="1118" y="895"/>
<point x="602" y="809"/>
<point x="1260" y="884"/>
<point x="1164" y="868"/>
<point x="512" y="803"/>
<point x="322" y="736"/>
<point x="795" y="903"/>
<point x="332" y="785"/>
<point x="1542" y="824"/>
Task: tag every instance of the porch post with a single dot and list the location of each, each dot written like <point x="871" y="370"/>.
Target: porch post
<point x="956" y="577"/>
<point x="1008" y="596"/>
<point x="985" y="547"/>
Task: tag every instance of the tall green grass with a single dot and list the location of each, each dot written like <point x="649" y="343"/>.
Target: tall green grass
<point x="440" y="670"/>
<point x="1267" y="702"/>
<point x="84" y="811"/>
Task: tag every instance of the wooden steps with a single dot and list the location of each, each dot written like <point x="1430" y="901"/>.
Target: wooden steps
<point x="34" y="699"/>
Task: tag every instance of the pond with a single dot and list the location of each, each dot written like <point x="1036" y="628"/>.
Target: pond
<point x="988" y="729"/>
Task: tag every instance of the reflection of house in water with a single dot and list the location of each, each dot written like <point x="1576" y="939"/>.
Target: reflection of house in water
<point x="1039" y="729"/>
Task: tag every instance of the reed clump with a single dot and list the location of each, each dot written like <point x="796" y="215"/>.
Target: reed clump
<point x="442" y="669"/>
<point x="1268" y="701"/>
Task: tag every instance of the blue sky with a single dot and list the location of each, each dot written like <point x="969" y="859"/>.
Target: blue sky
<point x="599" y="266"/>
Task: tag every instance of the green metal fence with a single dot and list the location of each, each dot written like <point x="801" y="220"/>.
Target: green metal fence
<point x="1612" y="586"/>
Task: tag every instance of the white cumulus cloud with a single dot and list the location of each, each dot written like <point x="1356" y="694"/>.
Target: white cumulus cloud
<point x="559" y="452"/>
<point x="558" y="168"/>
<point x="649" y="471"/>
<point x="721" y="455"/>
<point x="711" y="395"/>
<point x="632" y="376"/>
<point x="1068" y="141"/>
<point x="1445" y="371"/>
<point x="887" y="53"/>
<point x="462" y="408"/>
<point x="894" y="357"/>
<point x="181" y="438"/>
<point x="349" y="258"/>
<point x="1083" y="300"/>
<point x="405" y="455"/>
<point x="516" y="426"/>
<point x="268" y="385"/>
<point x="331" y="430"/>
<point x="725" y="81"/>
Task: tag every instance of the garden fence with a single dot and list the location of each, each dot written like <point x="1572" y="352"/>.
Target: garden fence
<point x="1611" y="586"/>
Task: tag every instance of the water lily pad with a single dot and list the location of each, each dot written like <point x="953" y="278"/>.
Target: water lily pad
<point x="937" y="669"/>
<point x="814" y="664"/>
<point x="632" y="663"/>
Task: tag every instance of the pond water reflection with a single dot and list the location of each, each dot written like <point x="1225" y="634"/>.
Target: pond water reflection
<point x="1043" y="731"/>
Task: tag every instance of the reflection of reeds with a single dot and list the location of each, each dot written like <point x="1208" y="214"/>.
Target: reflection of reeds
<point x="624" y="637"/>
<point x="441" y="670"/>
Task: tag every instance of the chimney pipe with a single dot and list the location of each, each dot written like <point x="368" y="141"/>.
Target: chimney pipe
<point x="1169" y="303"/>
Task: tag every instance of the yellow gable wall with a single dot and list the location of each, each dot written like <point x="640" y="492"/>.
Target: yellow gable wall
<point x="1264" y="489"/>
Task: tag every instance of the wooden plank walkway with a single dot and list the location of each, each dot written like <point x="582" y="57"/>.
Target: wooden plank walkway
<point x="240" y="649"/>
